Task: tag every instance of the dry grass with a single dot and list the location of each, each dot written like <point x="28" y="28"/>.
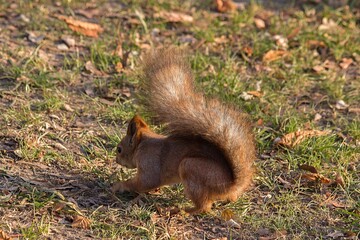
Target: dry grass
<point x="64" y="108"/>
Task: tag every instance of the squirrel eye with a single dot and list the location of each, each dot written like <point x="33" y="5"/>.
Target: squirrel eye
<point x="119" y="149"/>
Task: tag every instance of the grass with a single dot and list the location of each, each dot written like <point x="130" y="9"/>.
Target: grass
<point x="61" y="118"/>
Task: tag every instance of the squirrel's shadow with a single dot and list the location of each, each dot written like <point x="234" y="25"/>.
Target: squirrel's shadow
<point x="87" y="191"/>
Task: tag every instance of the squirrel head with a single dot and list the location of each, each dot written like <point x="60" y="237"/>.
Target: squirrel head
<point x="128" y="145"/>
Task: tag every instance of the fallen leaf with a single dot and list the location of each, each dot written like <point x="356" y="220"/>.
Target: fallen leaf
<point x="273" y="55"/>
<point x="88" y="13"/>
<point x="317" y="117"/>
<point x="350" y="234"/>
<point x="336" y="234"/>
<point x="318" y="68"/>
<point x="285" y="183"/>
<point x="106" y="102"/>
<point x="32" y="37"/>
<point x="339" y="180"/>
<point x="354" y="110"/>
<point x="68" y="108"/>
<point x="174" y="16"/>
<point x="118" y="51"/>
<point x="86" y="28"/>
<point x="62" y="46"/>
<point x="259" y="23"/>
<point x="227" y="214"/>
<point x="119" y="67"/>
<point x="58" y="206"/>
<point x="263" y="231"/>
<point x="341" y="105"/>
<point x="24" y="18"/>
<point x="346" y="62"/>
<point x="4" y="236"/>
<point x="329" y="64"/>
<point x="315" y="177"/>
<point x="293" y="33"/>
<point x="260" y="122"/>
<point x="70" y="42"/>
<point x="225" y="5"/>
<point x="310" y="176"/>
<point x="332" y="202"/>
<point x="81" y="222"/>
<point x="308" y="168"/>
<point x="248" y="51"/>
<point x="221" y="39"/>
<point x="246" y="96"/>
<point x="91" y="68"/>
<point x="232" y="223"/>
<point x="315" y="43"/>
<point x="255" y="93"/>
<point x="281" y="41"/>
<point x="294" y="138"/>
<point x="328" y="24"/>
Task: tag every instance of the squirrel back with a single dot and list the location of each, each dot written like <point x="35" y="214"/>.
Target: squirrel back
<point x="173" y="98"/>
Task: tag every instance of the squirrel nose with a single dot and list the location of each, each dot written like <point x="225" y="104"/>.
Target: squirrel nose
<point x="118" y="149"/>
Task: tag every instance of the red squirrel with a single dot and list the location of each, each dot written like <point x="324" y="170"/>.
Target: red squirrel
<point x="209" y="146"/>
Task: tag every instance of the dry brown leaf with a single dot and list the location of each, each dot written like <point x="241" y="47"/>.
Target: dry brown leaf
<point x="273" y="55"/>
<point x="346" y="62"/>
<point x="285" y="183"/>
<point x="329" y="64"/>
<point x="221" y="39"/>
<point x="225" y="5"/>
<point x="86" y="28"/>
<point x="308" y="168"/>
<point x="88" y="13"/>
<point x="332" y="202"/>
<point x="341" y="105"/>
<point x="81" y="222"/>
<point x="329" y="25"/>
<point x="318" y="68"/>
<point x="58" y="206"/>
<point x="281" y="41"/>
<point x="315" y="177"/>
<point x="337" y="204"/>
<point x="255" y="93"/>
<point x="174" y="16"/>
<point x="260" y="122"/>
<point x="294" y="33"/>
<point x="310" y="176"/>
<point x="119" y="67"/>
<point x="259" y="23"/>
<point x="227" y="214"/>
<point x="294" y="138"/>
<point x="248" y="51"/>
<point x="4" y="236"/>
<point x="339" y="180"/>
<point x="92" y="68"/>
<point x="315" y="44"/>
<point x="119" y="51"/>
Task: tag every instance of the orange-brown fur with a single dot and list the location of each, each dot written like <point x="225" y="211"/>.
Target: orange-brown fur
<point x="209" y="147"/>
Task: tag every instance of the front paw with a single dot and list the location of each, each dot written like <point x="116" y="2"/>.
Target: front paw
<point x="118" y="187"/>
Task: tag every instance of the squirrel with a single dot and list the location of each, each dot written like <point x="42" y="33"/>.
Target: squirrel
<point x="209" y="147"/>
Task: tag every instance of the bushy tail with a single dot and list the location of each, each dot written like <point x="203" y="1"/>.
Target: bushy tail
<point x="171" y="95"/>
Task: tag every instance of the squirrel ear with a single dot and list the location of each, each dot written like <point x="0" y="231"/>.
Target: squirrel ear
<point x="134" y="128"/>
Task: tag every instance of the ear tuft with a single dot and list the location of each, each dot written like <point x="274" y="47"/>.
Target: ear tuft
<point x="135" y="126"/>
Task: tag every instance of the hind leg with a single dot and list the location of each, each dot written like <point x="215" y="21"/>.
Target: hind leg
<point x="200" y="198"/>
<point x="204" y="182"/>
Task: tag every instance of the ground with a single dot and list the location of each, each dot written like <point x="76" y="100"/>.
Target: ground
<point x="68" y="82"/>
